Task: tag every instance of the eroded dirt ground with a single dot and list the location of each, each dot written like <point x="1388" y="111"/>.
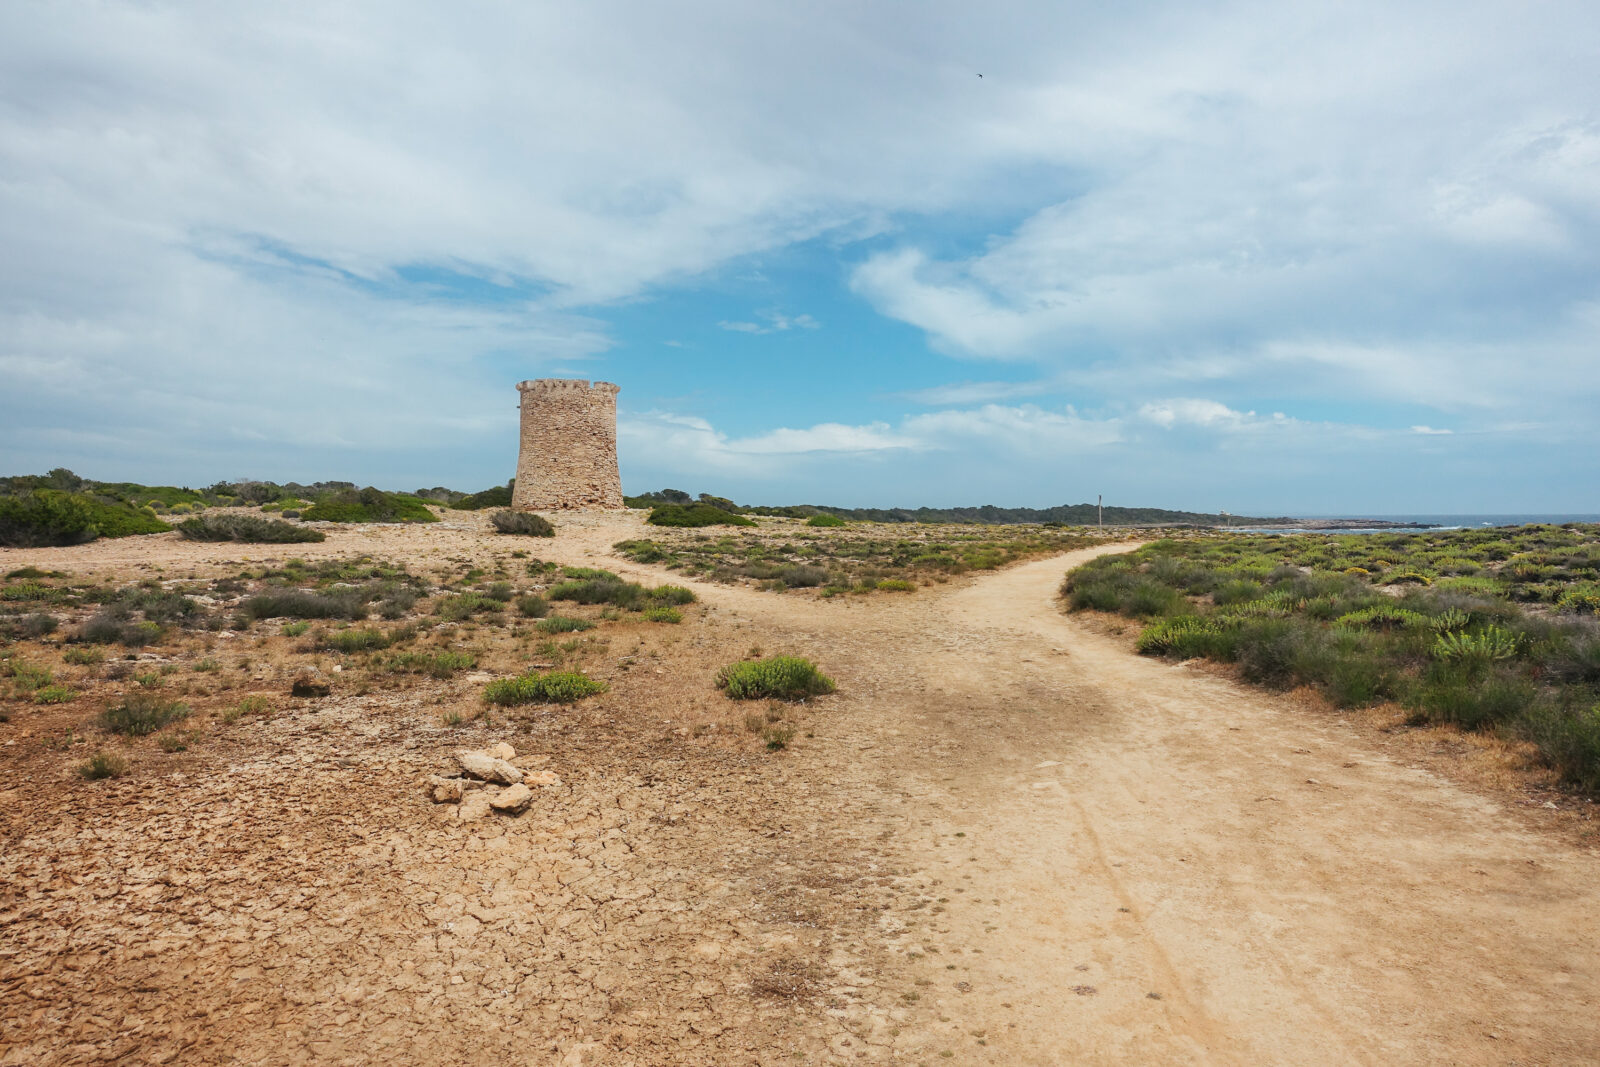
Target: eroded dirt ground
<point x="1004" y="840"/>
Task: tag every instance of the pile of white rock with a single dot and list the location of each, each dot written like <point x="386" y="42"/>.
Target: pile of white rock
<point x="475" y="794"/>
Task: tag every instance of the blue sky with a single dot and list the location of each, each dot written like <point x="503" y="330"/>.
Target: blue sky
<point x="1273" y="258"/>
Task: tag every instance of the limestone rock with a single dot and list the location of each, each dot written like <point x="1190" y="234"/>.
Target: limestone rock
<point x="444" y="790"/>
<point x="474" y="806"/>
<point x="514" y="800"/>
<point x="489" y="768"/>
<point x="503" y="751"/>
<point x="542" y="778"/>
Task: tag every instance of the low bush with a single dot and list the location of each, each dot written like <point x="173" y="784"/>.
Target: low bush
<point x="1180" y="637"/>
<point x="556" y="687"/>
<point x="83" y="657"/>
<point x="563" y="624"/>
<point x="433" y="664"/>
<point x="896" y="585"/>
<point x="498" y="497"/>
<point x="305" y="604"/>
<point x="463" y="606"/>
<point x="522" y="522"/>
<point x="350" y="641"/>
<point x="776" y="677"/>
<point x="249" y="529"/>
<point x="694" y="515"/>
<point x="614" y="591"/>
<point x="672" y="594"/>
<point x="662" y="614"/>
<point x="54" y="694"/>
<point x="825" y="520"/>
<point x="533" y="607"/>
<point x="103" y="765"/>
<point x="369" y="505"/>
<point x="142" y="713"/>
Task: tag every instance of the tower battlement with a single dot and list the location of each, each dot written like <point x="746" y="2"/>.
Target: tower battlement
<point x="566" y="385"/>
<point x="568" y="453"/>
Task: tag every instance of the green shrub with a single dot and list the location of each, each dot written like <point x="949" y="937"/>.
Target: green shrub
<point x="247" y="528"/>
<point x="896" y="585"/>
<point x="295" y="629"/>
<point x="643" y="551"/>
<point x="1148" y="599"/>
<point x="1267" y="651"/>
<point x="45" y="517"/>
<point x="522" y="522"/>
<point x="54" y="694"/>
<point x="1570" y="739"/>
<point x="672" y="594"/>
<point x="589" y="574"/>
<point x="556" y="687"/>
<point x="26" y="677"/>
<point x="434" y="664"/>
<point x="533" y="607"/>
<point x="692" y="515"/>
<point x="139" y="634"/>
<point x="1181" y="637"/>
<point x="1485" y="647"/>
<point x="350" y="641"/>
<point x="465" y="605"/>
<point x="629" y="595"/>
<point x="562" y="624"/>
<point x="498" y="497"/>
<point x="825" y="520"/>
<point x="1583" y="600"/>
<point x="662" y="614"/>
<point x="1382" y="617"/>
<point x="83" y="657"/>
<point x="1358" y="681"/>
<point x="142" y="713"/>
<point x="103" y="765"/>
<point x="1460" y="694"/>
<point x="304" y="604"/>
<point x="23" y="592"/>
<point x="776" y="677"/>
<point x="369" y="505"/>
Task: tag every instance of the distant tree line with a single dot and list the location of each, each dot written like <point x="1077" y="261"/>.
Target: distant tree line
<point x="1063" y="514"/>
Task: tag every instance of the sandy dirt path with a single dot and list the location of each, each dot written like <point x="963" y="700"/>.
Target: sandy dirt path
<point x="1143" y="863"/>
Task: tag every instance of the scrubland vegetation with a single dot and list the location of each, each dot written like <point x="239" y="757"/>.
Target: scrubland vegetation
<point x="1492" y="630"/>
<point x="864" y="558"/>
<point x="150" y="668"/>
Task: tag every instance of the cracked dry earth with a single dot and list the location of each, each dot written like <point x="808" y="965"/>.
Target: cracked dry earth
<point x="1005" y="840"/>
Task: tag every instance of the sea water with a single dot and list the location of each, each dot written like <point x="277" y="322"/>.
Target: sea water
<point x="1422" y="523"/>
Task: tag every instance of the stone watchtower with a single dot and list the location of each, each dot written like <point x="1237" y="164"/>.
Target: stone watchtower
<point x="568" y="454"/>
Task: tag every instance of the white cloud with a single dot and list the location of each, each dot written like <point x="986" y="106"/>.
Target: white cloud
<point x="1430" y="431"/>
<point x="776" y="322"/>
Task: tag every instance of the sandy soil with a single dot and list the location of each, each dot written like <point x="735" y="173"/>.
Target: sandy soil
<point x="1005" y="840"/>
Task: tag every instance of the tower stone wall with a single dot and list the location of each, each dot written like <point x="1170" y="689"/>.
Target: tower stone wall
<point x="568" y="453"/>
